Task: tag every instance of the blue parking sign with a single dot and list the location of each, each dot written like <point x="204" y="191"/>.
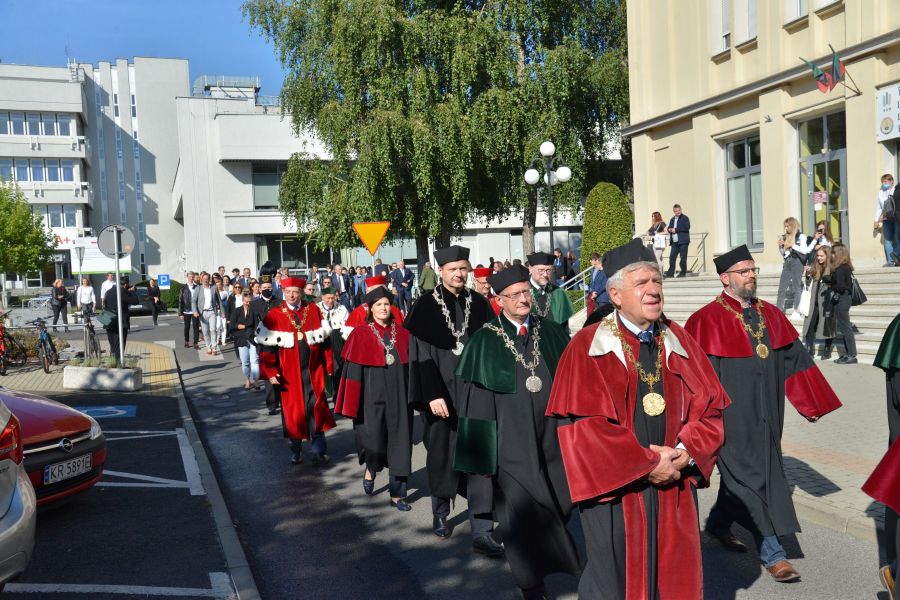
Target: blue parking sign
<point x="163" y="282"/>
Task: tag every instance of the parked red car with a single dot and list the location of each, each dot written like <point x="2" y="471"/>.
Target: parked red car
<point x="64" y="449"/>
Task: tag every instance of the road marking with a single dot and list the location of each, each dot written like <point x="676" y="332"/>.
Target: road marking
<point x="220" y="589"/>
<point x="147" y="481"/>
<point x="204" y="357"/>
<point x="109" y="412"/>
<point x="191" y="468"/>
<point x="194" y="482"/>
<point x="145" y="435"/>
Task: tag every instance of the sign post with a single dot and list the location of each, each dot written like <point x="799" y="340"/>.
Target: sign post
<point x="115" y="241"/>
<point x="371" y="233"/>
<point x="163" y="281"/>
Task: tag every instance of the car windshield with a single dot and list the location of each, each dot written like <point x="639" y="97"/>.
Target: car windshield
<point x="141" y="291"/>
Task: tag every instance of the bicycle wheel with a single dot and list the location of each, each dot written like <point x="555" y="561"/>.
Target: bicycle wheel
<point x="44" y="356"/>
<point x="15" y="355"/>
<point x="93" y="346"/>
<point x="2" y="364"/>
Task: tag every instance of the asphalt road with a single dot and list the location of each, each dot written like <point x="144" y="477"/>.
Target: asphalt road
<point x="311" y="533"/>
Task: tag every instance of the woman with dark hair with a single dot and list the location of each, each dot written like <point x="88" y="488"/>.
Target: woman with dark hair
<point x="153" y="294"/>
<point x="656" y="237"/>
<point x="820" y="322"/>
<point x="241" y="324"/>
<point x="822" y="236"/>
<point x="373" y="393"/>
<point x="841" y="283"/>
<point x="59" y="302"/>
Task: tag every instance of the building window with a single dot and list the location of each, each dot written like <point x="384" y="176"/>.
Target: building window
<point x="118" y="143"/>
<point x="743" y="166"/>
<point x="726" y="24"/>
<point x="68" y="170"/>
<point x="795" y="9"/>
<point x="49" y="123"/>
<point x="823" y="134"/>
<point x="6" y="169"/>
<point x="34" y="123"/>
<point x="133" y="107"/>
<point x="37" y="170"/>
<point x="18" y="123"/>
<point x="21" y="170"/>
<point x="4" y="123"/>
<point x="69" y="215"/>
<point x="52" y="170"/>
<point x="56" y="215"/>
<point x="266" y="181"/>
<point x="116" y="105"/>
<point x="65" y="125"/>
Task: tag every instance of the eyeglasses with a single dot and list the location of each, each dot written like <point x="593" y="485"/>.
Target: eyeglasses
<point x="746" y="272"/>
<point x="516" y="295"/>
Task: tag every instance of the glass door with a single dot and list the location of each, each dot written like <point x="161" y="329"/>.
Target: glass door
<point x="826" y="195"/>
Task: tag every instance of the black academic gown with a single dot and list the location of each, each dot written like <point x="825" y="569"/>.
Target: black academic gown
<point x="754" y="490"/>
<point x="383" y="425"/>
<point x="604" y="523"/>
<point x="531" y="495"/>
<point x="432" y="367"/>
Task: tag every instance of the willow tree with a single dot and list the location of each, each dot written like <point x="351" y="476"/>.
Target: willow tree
<point x="431" y="111"/>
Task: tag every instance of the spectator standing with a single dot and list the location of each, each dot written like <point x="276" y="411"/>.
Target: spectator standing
<point x="84" y="297"/>
<point x="841" y="283"/>
<point x="153" y="294"/>
<point x="187" y="299"/>
<point x="254" y="288"/>
<point x="235" y="275"/>
<point x="597" y="294"/>
<point x="59" y="302"/>
<point x="820" y="322"/>
<point x="111" y="303"/>
<point x="656" y="237"/>
<point x="359" y="286"/>
<point x="106" y="285"/>
<point x="242" y="329"/>
<point x="679" y="239"/>
<point x="380" y="268"/>
<point x="560" y="267"/>
<point x="794" y="247"/>
<point x="226" y="303"/>
<point x="341" y="283"/>
<point x="276" y="285"/>
<point x="403" y="280"/>
<point x="427" y="279"/>
<point x="207" y="308"/>
<point x="887" y="218"/>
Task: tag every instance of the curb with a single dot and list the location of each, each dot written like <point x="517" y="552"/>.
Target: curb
<point x="235" y="559"/>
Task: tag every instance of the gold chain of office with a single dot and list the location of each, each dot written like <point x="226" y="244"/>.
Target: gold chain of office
<point x="654" y="403"/>
<point x="762" y="350"/>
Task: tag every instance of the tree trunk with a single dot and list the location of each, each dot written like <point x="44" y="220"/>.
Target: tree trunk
<point x="422" y="254"/>
<point x="529" y="216"/>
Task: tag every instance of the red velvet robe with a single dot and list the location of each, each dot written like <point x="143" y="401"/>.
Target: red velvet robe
<point x="276" y="330"/>
<point x="358" y="317"/>
<point x="884" y="482"/>
<point x="602" y="456"/>
<point x="495" y="304"/>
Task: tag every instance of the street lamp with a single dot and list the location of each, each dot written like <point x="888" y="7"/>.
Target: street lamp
<point x="561" y="174"/>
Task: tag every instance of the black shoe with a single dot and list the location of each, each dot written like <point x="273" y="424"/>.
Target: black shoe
<point x="274" y="411"/>
<point x="486" y="545"/>
<point x="320" y="460"/>
<point x="896" y="259"/>
<point x="728" y="540"/>
<point x="401" y="505"/>
<point x="296" y="453"/>
<point x="441" y="528"/>
<point x="187" y="345"/>
<point x="368" y="486"/>
<point x="846" y="360"/>
<point x="826" y="352"/>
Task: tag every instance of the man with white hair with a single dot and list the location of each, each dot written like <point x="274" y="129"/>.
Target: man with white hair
<point x="647" y="411"/>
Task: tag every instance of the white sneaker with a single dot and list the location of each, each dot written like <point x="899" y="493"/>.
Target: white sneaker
<point x="796" y="317"/>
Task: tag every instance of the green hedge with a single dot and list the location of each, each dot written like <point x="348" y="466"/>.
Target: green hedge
<point x="607" y="220"/>
<point x="171" y="295"/>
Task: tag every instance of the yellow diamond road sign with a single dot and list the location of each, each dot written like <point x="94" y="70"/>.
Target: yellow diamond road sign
<point x="371" y="234"/>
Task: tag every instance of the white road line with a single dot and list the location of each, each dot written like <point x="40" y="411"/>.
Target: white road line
<point x="148" y="478"/>
<point x="138" y="431"/>
<point x="141" y="437"/>
<point x="220" y="589"/>
<point x="111" y="484"/>
<point x="191" y="468"/>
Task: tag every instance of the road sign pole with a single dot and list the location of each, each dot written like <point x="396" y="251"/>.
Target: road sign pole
<point x="121" y="358"/>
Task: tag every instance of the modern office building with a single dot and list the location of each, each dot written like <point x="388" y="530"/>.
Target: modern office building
<point x="728" y="122"/>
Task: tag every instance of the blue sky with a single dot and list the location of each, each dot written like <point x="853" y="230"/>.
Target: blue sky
<point x="211" y="34"/>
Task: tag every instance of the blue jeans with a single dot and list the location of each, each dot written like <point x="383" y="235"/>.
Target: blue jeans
<point x="890" y="234"/>
<point x="249" y="361"/>
<point x="770" y="549"/>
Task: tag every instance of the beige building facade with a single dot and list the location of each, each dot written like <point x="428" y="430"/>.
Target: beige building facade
<point x="728" y="122"/>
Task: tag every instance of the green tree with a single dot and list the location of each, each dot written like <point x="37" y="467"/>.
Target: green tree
<point x="607" y="220"/>
<point x="432" y="110"/>
<point x="25" y="245"/>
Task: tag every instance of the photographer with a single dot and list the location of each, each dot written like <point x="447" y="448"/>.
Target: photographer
<point x="794" y="247"/>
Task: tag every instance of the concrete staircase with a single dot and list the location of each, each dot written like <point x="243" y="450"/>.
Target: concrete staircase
<point x="685" y="295"/>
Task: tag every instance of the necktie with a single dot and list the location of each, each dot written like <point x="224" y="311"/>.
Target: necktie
<point x="646" y="336"/>
<point x="523" y="331"/>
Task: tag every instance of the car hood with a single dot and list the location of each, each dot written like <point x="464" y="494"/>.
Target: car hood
<point x="42" y="419"/>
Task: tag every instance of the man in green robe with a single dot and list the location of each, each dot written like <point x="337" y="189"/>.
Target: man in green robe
<point x="503" y="431"/>
<point x="550" y="300"/>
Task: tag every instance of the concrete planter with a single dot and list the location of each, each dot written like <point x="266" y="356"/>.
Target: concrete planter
<point x="102" y="379"/>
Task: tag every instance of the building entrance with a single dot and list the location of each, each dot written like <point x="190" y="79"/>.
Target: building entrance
<point x="823" y="175"/>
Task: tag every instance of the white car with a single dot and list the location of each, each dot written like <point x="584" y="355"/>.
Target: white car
<point x="18" y="504"/>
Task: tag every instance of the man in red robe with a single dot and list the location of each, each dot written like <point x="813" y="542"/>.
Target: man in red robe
<point x="640" y="441"/>
<point x="480" y="277"/>
<point x="296" y="330"/>
<point x="758" y="357"/>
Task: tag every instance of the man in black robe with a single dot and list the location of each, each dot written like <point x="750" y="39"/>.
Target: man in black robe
<point x="759" y="359"/>
<point x="550" y="300"/>
<point x="509" y="393"/>
<point x="440" y="323"/>
<point x="258" y="309"/>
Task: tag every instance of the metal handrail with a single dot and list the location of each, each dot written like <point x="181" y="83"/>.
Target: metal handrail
<point x="697" y="262"/>
<point x="570" y="285"/>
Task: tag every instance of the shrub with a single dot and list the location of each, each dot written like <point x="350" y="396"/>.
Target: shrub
<point x="171" y="295"/>
<point x="607" y="220"/>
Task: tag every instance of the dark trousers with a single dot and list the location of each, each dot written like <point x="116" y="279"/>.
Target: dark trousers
<point x="154" y="310"/>
<point x="60" y="309"/>
<point x="190" y="320"/>
<point x="678" y="248"/>
<point x="404" y="298"/>
<point x="844" y="328"/>
<point x="272" y="399"/>
<point x="112" y="335"/>
<point x="479" y="524"/>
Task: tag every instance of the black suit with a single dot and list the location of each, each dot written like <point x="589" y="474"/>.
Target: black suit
<point x="345" y="295"/>
<point x="679" y="247"/>
<point x="110" y="303"/>
<point x="404" y="292"/>
<point x="258" y="309"/>
<point x="186" y="310"/>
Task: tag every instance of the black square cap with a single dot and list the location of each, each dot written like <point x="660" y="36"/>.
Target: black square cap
<point x="539" y="258"/>
<point x="442" y="256"/>
<point x="503" y="279"/>
<point x="377" y="294"/>
<point x="731" y="258"/>
<point x="626" y="254"/>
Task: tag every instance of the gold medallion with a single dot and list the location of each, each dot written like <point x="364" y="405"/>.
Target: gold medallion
<point x="762" y="351"/>
<point x="654" y="404"/>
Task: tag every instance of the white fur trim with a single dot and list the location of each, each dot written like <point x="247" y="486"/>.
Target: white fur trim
<point x="345" y="331"/>
<point x="316" y="336"/>
<point x="267" y="337"/>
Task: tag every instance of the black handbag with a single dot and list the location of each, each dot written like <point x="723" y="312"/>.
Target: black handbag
<point x="857" y="296"/>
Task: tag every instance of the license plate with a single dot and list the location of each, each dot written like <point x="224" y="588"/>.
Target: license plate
<point x="67" y="469"/>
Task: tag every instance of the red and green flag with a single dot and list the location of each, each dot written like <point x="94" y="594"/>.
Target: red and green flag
<point x="837" y="68"/>
<point x="823" y="79"/>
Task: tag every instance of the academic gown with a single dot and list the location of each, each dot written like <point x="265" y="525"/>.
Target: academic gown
<point x="552" y="302"/>
<point x="754" y="489"/>
<point x="374" y="395"/>
<point x="642" y="541"/>
<point x="432" y="366"/>
<point x="531" y="495"/>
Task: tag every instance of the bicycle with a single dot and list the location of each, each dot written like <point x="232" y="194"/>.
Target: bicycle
<point x="92" y="347"/>
<point x="12" y="352"/>
<point x="46" y="350"/>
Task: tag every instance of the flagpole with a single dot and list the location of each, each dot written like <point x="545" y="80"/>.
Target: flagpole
<point x="855" y="85"/>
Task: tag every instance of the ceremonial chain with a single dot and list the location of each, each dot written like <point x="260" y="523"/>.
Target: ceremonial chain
<point x="466" y="312"/>
<point x="293" y="321"/>
<point x="654" y="404"/>
<point x="388" y="357"/>
<point x="762" y="350"/>
<point x="537" y="305"/>
<point x="533" y="383"/>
